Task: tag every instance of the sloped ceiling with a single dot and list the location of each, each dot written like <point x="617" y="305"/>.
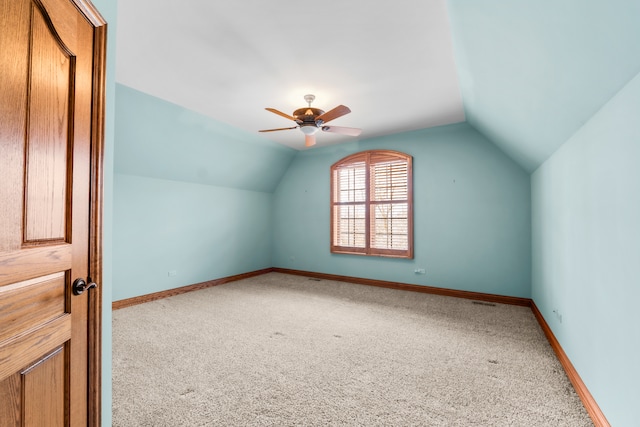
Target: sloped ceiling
<point x="526" y="73"/>
<point x="532" y="72"/>
<point x="390" y="62"/>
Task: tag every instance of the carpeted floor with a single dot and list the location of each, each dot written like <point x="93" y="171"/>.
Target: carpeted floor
<point x="281" y="350"/>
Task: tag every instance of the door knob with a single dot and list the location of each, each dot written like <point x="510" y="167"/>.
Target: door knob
<point x="79" y="286"/>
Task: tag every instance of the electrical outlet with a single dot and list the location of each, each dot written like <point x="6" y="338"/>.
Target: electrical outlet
<point x="172" y="273"/>
<point x="420" y="271"/>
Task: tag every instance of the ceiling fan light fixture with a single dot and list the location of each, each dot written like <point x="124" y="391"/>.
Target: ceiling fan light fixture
<point x="309" y="130"/>
<point x="311" y="120"/>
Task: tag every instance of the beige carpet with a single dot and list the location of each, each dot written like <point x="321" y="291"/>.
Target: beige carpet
<point x="281" y="350"/>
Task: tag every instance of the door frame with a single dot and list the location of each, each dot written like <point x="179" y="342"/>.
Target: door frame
<point x="96" y="207"/>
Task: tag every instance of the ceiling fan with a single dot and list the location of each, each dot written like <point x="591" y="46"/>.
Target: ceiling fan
<point x="310" y="120"/>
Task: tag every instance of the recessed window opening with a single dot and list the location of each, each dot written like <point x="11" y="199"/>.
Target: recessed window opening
<point x="372" y="204"/>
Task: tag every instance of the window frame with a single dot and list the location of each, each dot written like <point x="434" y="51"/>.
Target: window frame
<point x="369" y="204"/>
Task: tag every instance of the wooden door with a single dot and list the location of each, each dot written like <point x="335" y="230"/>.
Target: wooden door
<point x="51" y="100"/>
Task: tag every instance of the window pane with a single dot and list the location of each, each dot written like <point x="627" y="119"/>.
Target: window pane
<point x="351" y="183"/>
<point x="390" y="226"/>
<point x="350" y="227"/>
<point x="376" y="183"/>
<point x="390" y="180"/>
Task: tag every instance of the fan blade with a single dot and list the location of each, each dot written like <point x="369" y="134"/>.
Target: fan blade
<point x="273" y="130"/>
<point x="342" y="130"/>
<point x="339" y="111"/>
<point x="280" y="113"/>
<point x="309" y="140"/>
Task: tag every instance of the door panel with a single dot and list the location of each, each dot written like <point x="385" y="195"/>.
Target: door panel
<point x="11" y="389"/>
<point x="35" y="262"/>
<point x="44" y="384"/>
<point x="31" y="303"/>
<point x="48" y="110"/>
<point x="48" y="138"/>
<point x="27" y="349"/>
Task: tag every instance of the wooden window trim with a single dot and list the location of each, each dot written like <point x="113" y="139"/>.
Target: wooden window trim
<point x="368" y="203"/>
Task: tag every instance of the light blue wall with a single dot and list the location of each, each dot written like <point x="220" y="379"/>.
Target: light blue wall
<point x="191" y="195"/>
<point x="158" y="139"/>
<point x="586" y="252"/>
<point x="200" y="231"/>
<point x="533" y="71"/>
<point x="471" y="220"/>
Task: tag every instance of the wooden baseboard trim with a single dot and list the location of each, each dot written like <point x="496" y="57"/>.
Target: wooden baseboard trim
<point x="115" y="305"/>
<point x="587" y="399"/>
<point x="525" y="302"/>
<point x="594" y="411"/>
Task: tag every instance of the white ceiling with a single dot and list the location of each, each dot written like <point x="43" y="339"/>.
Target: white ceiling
<point x="392" y="63"/>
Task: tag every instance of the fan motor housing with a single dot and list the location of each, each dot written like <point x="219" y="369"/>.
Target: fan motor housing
<point x="307" y="114"/>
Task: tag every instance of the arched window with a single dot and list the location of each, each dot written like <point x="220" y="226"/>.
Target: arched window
<point x="372" y="204"/>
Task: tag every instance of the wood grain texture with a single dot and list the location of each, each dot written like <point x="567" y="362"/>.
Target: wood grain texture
<point x="44" y="388"/>
<point x="97" y="203"/>
<point x="27" y="305"/>
<point x="526" y="302"/>
<point x="14" y="66"/>
<point x="49" y="104"/>
<point x="10" y="401"/>
<point x="23" y="349"/>
<point x="590" y="404"/>
<point x="177" y="291"/>
<point x="33" y="262"/>
<point x="52" y="59"/>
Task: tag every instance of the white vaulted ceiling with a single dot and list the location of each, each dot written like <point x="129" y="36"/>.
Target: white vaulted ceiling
<point x="390" y="62"/>
<point x="530" y="72"/>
